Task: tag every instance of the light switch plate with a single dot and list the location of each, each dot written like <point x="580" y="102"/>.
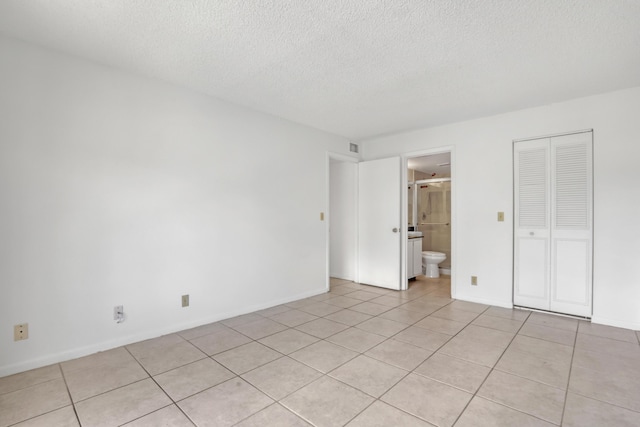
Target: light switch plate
<point x="500" y="216"/>
<point x="474" y="280"/>
<point x="185" y="300"/>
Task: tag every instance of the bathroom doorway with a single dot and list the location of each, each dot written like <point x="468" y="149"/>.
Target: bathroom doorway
<point x="430" y="203"/>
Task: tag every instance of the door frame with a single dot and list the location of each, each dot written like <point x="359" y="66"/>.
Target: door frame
<point x="341" y="158"/>
<point x="405" y="207"/>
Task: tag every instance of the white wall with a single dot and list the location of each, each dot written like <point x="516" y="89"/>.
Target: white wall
<point x="117" y="189"/>
<point x="342" y="219"/>
<point x="484" y="186"/>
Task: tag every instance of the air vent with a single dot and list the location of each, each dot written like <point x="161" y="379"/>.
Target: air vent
<point x="353" y="147"/>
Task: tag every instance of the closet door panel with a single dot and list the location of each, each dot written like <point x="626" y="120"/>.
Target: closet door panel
<point x="532" y="227"/>
<point x="571" y="223"/>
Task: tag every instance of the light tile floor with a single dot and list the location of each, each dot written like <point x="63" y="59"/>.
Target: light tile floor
<point x="356" y="356"/>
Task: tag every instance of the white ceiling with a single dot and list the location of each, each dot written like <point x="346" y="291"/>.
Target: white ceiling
<point x="439" y="164"/>
<point x="357" y="68"/>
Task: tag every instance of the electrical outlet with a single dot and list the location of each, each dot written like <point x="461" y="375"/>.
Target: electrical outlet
<point x="185" y="300"/>
<point x="21" y="332"/>
<point x="118" y="313"/>
<point x="500" y="216"/>
<point x="474" y="280"/>
<point x="321" y="216"/>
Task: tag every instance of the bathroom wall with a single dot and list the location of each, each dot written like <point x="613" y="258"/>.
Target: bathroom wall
<point x="483" y="173"/>
<point x="123" y="190"/>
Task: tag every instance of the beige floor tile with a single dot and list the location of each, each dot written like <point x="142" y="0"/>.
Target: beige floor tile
<point x="122" y="405"/>
<point x="621" y="390"/>
<point x="324" y="356"/>
<point x="320" y="309"/>
<point x="606" y="345"/>
<point x="109" y="357"/>
<point x="553" y="321"/>
<point x="274" y="415"/>
<point x="193" y="378"/>
<point x="400" y="354"/>
<point x="388" y="300"/>
<point x="293" y="318"/>
<point x="300" y="303"/>
<point x="242" y="319"/>
<point x="356" y="339"/>
<point x="225" y="404"/>
<point x="369" y="375"/>
<point x="423" y="338"/>
<point x="167" y="416"/>
<point x="560" y="336"/>
<point x="444" y="326"/>
<point x="448" y="312"/>
<point x="281" y="377"/>
<point x="272" y="311"/>
<point x="370" y="308"/>
<point x="499" y="323"/>
<point x="169" y="357"/>
<point x="348" y="317"/>
<point x="322" y="297"/>
<point x="343" y="302"/>
<point x="379" y="414"/>
<point x="340" y="290"/>
<point x="434" y="298"/>
<point x="99" y="379"/>
<point x="363" y="295"/>
<point x="29" y="378"/>
<point x="430" y="400"/>
<point x="403" y="316"/>
<point x="581" y="411"/>
<point x="551" y="372"/>
<point x="611" y="364"/>
<point x="469" y="306"/>
<point x="200" y="331"/>
<point x="607" y="332"/>
<point x="288" y="341"/>
<point x="473" y="351"/>
<point x="327" y="402"/>
<point x="423" y="307"/>
<point x="64" y="417"/>
<point x="139" y="349"/>
<point x="247" y="357"/>
<point x="508" y="313"/>
<point x="384" y="327"/>
<point x="220" y="341"/>
<point x="32" y="401"/>
<point x="376" y="290"/>
<point x="322" y="328"/>
<point x="541" y="348"/>
<point x="484" y="413"/>
<point x="533" y="398"/>
<point x="488" y="336"/>
<point x="455" y="372"/>
<point x="260" y="328"/>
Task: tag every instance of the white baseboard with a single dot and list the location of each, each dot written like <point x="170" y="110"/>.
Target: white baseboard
<point x="74" y="353"/>
<point x="497" y="303"/>
<point x="446" y="271"/>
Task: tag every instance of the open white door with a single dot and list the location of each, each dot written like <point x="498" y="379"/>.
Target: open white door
<point x="379" y="232"/>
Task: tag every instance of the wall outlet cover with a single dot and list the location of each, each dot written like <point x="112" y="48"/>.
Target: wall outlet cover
<point x="21" y="332"/>
<point x="185" y="300"/>
<point x="474" y="280"/>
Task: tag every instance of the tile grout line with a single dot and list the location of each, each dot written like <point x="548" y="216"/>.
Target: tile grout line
<point x="566" y="393"/>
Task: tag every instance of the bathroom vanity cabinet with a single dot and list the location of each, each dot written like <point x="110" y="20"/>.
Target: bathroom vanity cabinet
<point x="414" y="257"/>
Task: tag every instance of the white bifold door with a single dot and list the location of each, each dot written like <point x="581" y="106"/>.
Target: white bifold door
<point x="553" y="236"/>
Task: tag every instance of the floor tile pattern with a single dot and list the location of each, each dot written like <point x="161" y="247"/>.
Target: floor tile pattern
<point x="356" y="356"/>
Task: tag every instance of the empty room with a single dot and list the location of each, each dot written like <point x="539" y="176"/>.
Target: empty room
<point x="332" y="213"/>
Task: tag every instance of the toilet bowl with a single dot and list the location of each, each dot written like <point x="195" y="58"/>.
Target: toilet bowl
<point x="430" y="261"/>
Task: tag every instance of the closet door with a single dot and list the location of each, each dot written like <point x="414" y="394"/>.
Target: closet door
<point x="571" y="223"/>
<point x="532" y="224"/>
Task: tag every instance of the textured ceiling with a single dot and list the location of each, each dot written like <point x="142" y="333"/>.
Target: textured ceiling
<point x="357" y="68"/>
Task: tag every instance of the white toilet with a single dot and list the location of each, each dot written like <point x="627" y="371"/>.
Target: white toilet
<point x="430" y="261"/>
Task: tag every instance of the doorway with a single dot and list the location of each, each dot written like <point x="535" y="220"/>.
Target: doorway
<point x="429" y="203"/>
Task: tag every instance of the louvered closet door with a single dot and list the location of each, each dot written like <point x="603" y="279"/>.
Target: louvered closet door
<point x="532" y="227"/>
<point x="571" y="223"/>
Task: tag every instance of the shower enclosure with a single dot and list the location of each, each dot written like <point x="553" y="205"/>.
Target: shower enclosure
<point x="430" y="212"/>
